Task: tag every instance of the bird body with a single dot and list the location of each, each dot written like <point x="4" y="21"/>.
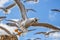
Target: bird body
<point x="56" y="10"/>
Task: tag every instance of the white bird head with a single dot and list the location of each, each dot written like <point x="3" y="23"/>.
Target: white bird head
<point x="34" y="19"/>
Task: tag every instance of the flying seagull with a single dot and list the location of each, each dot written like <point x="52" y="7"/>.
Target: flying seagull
<point x="56" y="10"/>
<point x="31" y="1"/>
<point x="6" y="9"/>
<point x="2" y="17"/>
<point x="37" y="39"/>
<point x="27" y="22"/>
<point x="46" y="33"/>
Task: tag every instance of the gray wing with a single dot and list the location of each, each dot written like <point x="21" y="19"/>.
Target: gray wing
<point x="5" y="30"/>
<point x="40" y="33"/>
<point x="30" y="10"/>
<point x="57" y="10"/>
<point x="31" y="30"/>
<point x="10" y="6"/>
<point x="37" y="39"/>
<point x="12" y="24"/>
<point x="22" y="9"/>
<point x="53" y="31"/>
<point x="2" y="17"/>
<point x="28" y="0"/>
<point x="12" y="21"/>
<point x="45" y="25"/>
<point x="28" y="39"/>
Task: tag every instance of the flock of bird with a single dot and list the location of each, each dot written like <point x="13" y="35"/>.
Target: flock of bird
<point x="23" y="24"/>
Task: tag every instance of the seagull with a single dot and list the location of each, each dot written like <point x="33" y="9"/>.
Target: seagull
<point x="57" y="10"/>
<point x="26" y="22"/>
<point x="5" y="30"/>
<point x="6" y="9"/>
<point x="28" y="39"/>
<point x="37" y="39"/>
<point x="46" y="33"/>
<point x="30" y="9"/>
<point x="2" y="18"/>
<point x="31" y="1"/>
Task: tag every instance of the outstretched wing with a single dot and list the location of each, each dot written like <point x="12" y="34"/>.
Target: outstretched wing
<point x="40" y="33"/>
<point x="55" y="10"/>
<point x="31" y="30"/>
<point x="53" y="31"/>
<point x="12" y="21"/>
<point x="2" y="17"/>
<point x="11" y="24"/>
<point x="10" y="6"/>
<point x="45" y="25"/>
<point x="30" y="10"/>
<point x="22" y="9"/>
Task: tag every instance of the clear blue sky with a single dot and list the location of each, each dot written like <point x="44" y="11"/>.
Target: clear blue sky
<point x="42" y="12"/>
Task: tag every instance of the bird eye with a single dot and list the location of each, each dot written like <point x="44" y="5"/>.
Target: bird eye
<point x="35" y="19"/>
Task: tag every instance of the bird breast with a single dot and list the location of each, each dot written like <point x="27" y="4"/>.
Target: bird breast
<point x="26" y="22"/>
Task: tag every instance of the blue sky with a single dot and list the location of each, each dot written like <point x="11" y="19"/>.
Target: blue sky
<point x="43" y="12"/>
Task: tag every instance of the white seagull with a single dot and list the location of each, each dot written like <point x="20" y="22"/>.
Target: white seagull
<point x="6" y="9"/>
<point x="27" y="22"/>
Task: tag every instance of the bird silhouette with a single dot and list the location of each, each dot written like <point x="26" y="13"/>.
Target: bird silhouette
<point x="46" y="33"/>
<point x="2" y="18"/>
<point x="31" y="0"/>
<point x="56" y="10"/>
<point x="6" y="9"/>
<point x="37" y="39"/>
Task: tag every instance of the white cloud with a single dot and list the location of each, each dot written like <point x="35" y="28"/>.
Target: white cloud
<point x="2" y="2"/>
<point x="52" y="16"/>
<point x="54" y="36"/>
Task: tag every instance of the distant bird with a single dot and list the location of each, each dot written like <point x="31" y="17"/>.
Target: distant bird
<point x="31" y="1"/>
<point x="46" y="33"/>
<point x="5" y="30"/>
<point x="56" y="10"/>
<point x="28" y="39"/>
<point x="30" y="9"/>
<point x="37" y="39"/>
<point x="2" y="17"/>
<point x="6" y="9"/>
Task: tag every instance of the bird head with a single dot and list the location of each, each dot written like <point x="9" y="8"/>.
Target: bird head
<point x="34" y="19"/>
